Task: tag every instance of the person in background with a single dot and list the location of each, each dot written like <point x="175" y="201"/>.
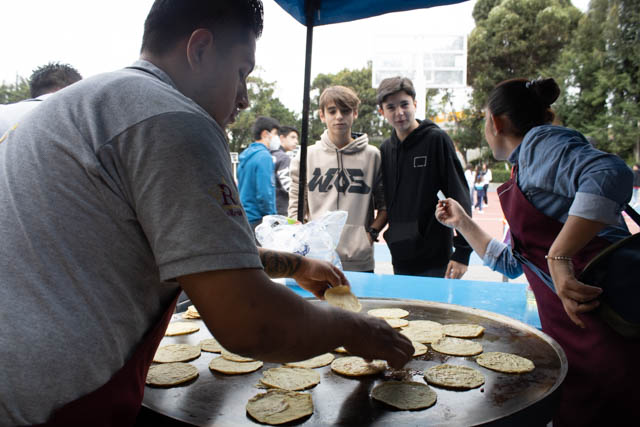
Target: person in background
<point x="487" y="177"/>
<point x="44" y="81"/>
<point x="480" y="192"/>
<point x="635" y="199"/>
<point x="256" y="176"/>
<point x="418" y="161"/>
<point x="343" y="173"/>
<point x="470" y="176"/>
<point x="280" y="149"/>
<point x="118" y="192"/>
<point x="563" y="204"/>
<point x="289" y="139"/>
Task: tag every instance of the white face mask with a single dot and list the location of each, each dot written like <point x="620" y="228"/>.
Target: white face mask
<point x="274" y="144"/>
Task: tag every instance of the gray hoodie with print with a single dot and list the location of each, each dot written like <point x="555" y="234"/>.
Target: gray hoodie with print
<point x="348" y="179"/>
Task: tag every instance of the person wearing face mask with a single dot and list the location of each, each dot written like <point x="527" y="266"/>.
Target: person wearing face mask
<point x="256" y="178"/>
<point x="280" y="147"/>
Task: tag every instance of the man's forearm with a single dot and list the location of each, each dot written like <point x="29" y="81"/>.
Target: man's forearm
<point x="250" y="316"/>
<point x="279" y="264"/>
<point x="380" y="221"/>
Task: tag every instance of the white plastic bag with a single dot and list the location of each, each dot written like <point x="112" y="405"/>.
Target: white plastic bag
<point x="316" y="239"/>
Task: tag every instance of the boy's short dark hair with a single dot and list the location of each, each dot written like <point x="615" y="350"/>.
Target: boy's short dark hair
<point x="52" y="77"/>
<point x="393" y="85"/>
<point x="264" y="123"/>
<point x="170" y="20"/>
<point x="286" y="130"/>
<point x="344" y="98"/>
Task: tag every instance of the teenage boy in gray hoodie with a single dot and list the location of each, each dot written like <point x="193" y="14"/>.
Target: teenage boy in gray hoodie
<point x="343" y="173"/>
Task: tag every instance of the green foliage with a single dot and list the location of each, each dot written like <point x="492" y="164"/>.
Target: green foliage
<point x="516" y="38"/>
<point x="499" y="174"/>
<point x="10" y="93"/>
<point x="600" y="71"/>
<point x="263" y="103"/>
<point x="512" y="38"/>
<point x="469" y="130"/>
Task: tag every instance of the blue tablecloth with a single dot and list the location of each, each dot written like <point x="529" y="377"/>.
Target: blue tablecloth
<point x="509" y="299"/>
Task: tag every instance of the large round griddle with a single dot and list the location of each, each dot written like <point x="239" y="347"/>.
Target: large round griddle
<point x="504" y="399"/>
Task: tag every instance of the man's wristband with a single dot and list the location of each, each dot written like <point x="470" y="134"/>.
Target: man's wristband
<point x="373" y="233"/>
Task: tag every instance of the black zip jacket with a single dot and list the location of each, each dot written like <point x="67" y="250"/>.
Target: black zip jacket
<point x="413" y="171"/>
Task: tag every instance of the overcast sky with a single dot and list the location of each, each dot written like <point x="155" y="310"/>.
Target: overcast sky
<point x="99" y="36"/>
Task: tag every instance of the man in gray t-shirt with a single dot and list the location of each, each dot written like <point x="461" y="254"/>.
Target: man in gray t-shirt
<point x="116" y="194"/>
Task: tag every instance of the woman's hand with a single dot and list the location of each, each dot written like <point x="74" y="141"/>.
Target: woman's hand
<point x="450" y="214"/>
<point x="576" y="297"/>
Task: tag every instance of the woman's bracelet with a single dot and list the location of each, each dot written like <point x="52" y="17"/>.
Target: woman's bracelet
<point x="558" y="258"/>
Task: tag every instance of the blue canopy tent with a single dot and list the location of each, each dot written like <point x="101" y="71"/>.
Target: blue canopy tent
<point x="322" y="12"/>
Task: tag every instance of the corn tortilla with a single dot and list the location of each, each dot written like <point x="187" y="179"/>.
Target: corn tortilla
<point x="454" y="376"/>
<point x="405" y="395"/>
<point x="505" y="362"/>
<point x="191" y="313"/>
<point x="457" y="347"/>
<point x="210" y="345"/>
<point x="341" y="296"/>
<point x="176" y="353"/>
<point x="460" y="330"/>
<point x="290" y="378"/>
<point x="388" y="313"/>
<point x="353" y="366"/>
<point x="418" y="349"/>
<point x="314" y="362"/>
<point x="235" y="357"/>
<point x="279" y="406"/>
<point x="397" y="323"/>
<point x="222" y="365"/>
<point x="181" y="328"/>
<point x="171" y="374"/>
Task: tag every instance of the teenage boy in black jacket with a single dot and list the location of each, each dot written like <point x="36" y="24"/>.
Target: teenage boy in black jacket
<point x="418" y="160"/>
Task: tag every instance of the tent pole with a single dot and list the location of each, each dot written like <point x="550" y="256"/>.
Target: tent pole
<point x="311" y="7"/>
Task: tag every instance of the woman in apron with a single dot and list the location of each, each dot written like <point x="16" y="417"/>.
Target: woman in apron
<point x="563" y="204"/>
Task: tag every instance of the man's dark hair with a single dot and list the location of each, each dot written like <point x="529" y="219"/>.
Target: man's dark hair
<point x="170" y="20"/>
<point x="52" y="77"/>
<point x="286" y="130"/>
<point x="264" y="123"/>
<point x="393" y="85"/>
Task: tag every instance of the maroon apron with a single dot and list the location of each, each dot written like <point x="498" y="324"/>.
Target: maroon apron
<point x="117" y="402"/>
<point x="602" y="383"/>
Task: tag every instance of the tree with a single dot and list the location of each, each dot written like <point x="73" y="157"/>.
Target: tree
<point x="263" y="103"/>
<point x="10" y="93"/>
<point x="468" y="133"/>
<point x="516" y="38"/>
<point x="600" y="71"/>
<point x="512" y="38"/>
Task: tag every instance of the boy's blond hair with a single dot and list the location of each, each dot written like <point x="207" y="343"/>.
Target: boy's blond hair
<point x="344" y="98"/>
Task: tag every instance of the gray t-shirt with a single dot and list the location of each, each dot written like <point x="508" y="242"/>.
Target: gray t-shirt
<point x="108" y="191"/>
